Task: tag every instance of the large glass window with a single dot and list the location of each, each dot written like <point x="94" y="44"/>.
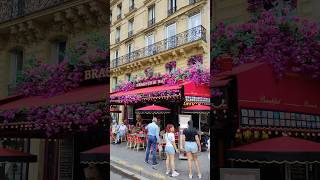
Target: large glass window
<point x="194" y="23"/>
<point x="267" y="118"/>
<point x="171" y="32"/>
<point x="149" y="42"/>
<point x="151" y="15"/>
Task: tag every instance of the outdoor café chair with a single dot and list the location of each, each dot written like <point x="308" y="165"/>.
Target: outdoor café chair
<point x="140" y="143"/>
<point x="129" y="141"/>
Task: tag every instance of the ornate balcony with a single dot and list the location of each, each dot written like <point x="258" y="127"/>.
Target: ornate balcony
<point x="14" y="9"/>
<point x="151" y="22"/>
<point x="193" y="1"/>
<point x="189" y="36"/>
<point x="130" y="33"/>
<point x="172" y="10"/>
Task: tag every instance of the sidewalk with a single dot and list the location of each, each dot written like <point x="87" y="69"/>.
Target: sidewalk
<point x="134" y="162"/>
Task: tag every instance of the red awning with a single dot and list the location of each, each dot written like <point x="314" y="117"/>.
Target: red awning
<point x="153" y="109"/>
<point x="145" y="90"/>
<point x="198" y="108"/>
<point x="280" y="149"/>
<point x="83" y="94"/>
<point x="96" y="155"/>
<point x="10" y="155"/>
<point x="192" y="89"/>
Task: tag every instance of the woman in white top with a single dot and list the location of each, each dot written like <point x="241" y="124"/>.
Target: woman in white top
<point x="170" y="150"/>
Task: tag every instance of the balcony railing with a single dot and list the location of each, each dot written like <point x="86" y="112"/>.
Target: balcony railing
<point x="130" y="33"/>
<point x="193" y="1"/>
<point x="172" y="10"/>
<point x="151" y="22"/>
<point x="14" y="9"/>
<point x="131" y="8"/>
<point x="118" y="16"/>
<point x="191" y="35"/>
<point x="117" y="39"/>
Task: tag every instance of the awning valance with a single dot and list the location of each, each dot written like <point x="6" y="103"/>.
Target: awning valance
<point x="98" y="155"/>
<point x="82" y="94"/>
<point x="277" y="150"/>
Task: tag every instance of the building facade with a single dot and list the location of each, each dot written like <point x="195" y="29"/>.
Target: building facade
<point x="151" y="33"/>
<point x="42" y="30"/>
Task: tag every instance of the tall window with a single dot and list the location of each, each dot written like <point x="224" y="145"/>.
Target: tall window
<point x="115" y="82"/>
<point x="171" y="35"/>
<point x="116" y="58"/>
<point x="129" y="51"/>
<point x="149" y="41"/>
<point x="151" y="15"/>
<point x="119" y="11"/>
<point x="130" y="27"/>
<point x="128" y="77"/>
<point x="118" y="34"/>
<point x="131" y="5"/>
<point x="172" y="6"/>
<point x="16" y="65"/>
<point x="59" y="51"/>
<point x="194" y="23"/>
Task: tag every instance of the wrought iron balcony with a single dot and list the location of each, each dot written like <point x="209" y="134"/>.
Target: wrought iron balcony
<point x="191" y="35"/>
<point x="130" y="33"/>
<point x="131" y="8"/>
<point x="14" y="9"/>
<point x="172" y="10"/>
<point x="118" y="16"/>
<point x="193" y="1"/>
<point x="117" y="39"/>
<point x="151" y="22"/>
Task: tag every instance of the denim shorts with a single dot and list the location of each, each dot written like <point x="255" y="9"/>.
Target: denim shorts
<point x="191" y="147"/>
<point x="170" y="150"/>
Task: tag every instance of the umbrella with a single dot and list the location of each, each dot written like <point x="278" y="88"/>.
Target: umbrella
<point x="277" y="150"/>
<point x="11" y="155"/>
<point x="153" y="109"/>
<point x="197" y="109"/>
<point x="98" y="155"/>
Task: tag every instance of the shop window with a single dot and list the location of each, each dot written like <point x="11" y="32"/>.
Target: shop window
<point x="15" y="170"/>
<point x="130" y="113"/>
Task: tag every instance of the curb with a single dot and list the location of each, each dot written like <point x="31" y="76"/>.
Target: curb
<point x="128" y="173"/>
<point x="134" y="172"/>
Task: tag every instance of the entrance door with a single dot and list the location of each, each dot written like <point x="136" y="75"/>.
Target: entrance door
<point x="194" y="27"/>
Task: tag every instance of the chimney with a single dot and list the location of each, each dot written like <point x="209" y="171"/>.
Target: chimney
<point x="225" y="62"/>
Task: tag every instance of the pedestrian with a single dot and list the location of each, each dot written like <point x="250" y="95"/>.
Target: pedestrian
<point x="191" y="144"/>
<point x="153" y="138"/>
<point x="114" y="130"/>
<point x="170" y="149"/>
<point x="121" y="132"/>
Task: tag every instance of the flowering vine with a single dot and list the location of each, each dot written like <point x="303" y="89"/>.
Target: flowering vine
<point x="288" y="43"/>
<point x="195" y="59"/>
<point x="148" y="72"/>
<point x="48" y="80"/>
<point x="171" y="65"/>
<point x="56" y="119"/>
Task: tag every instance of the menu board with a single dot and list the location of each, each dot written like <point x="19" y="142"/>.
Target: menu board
<point x="66" y="159"/>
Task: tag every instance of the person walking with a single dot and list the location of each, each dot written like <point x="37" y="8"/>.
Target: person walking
<point x="153" y="138"/>
<point x="170" y="150"/>
<point x="191" y="144"/>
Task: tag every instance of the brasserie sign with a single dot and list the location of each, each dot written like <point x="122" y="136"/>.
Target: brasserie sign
<point x="150" y="83"/>
<point x="92" y="74"/>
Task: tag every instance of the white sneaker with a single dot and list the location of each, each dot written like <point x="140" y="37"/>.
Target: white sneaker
<point x="190" y="176"/>
<point x="167" y="172"/>
<point x="199" y="176"/>
<point x="175" y="173"/>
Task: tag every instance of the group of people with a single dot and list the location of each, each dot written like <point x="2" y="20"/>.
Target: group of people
<point x="190" y="145"/>
<point x="119" y="130"/>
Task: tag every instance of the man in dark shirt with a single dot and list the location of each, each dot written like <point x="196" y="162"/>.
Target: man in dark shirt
<point x="191" y="145"/>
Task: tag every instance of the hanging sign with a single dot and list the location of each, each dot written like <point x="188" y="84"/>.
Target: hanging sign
<point x="150" y="83"/>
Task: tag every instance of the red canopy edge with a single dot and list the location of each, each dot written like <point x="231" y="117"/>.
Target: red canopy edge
<point x="198" y="108"/>
<point x="105" y="149"/>
<point x="12" y="155"/>
<point x="79" y="95"/>
<point x="145" y="90"/>
<point x="153" y="108"/>
<point x="98" y="155"/>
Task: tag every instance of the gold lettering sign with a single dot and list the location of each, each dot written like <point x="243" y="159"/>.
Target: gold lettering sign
<point x="96" y="73"/>
<point x="307" y="104"/>
<point x="263" y="99"/>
